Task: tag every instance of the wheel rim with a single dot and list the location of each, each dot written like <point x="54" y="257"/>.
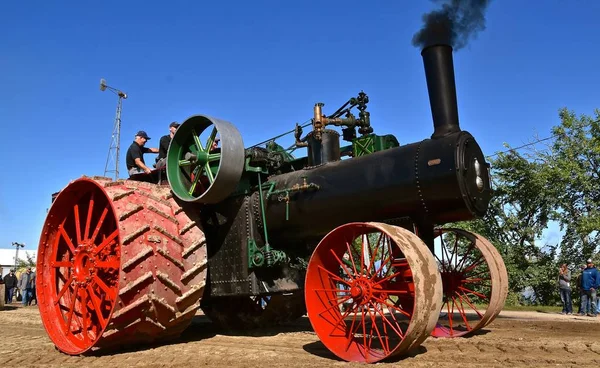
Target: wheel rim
<point x="471" y="283"/>
<point x="391" y="302"/>
<point x="80" y="278"/>
<point x="198" y="173"/>
<point x="502" y="286"/>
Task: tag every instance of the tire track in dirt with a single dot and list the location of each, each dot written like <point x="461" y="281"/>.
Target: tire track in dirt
<point x="506" y="342"/>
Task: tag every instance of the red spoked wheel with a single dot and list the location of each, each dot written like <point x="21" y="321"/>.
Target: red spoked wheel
<point x="119" y="263"/>
<point x="372" y="291"/>
<point x="474" y="279"/>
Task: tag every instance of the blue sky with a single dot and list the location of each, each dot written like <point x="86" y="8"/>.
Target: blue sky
<point x="262" y="65"/>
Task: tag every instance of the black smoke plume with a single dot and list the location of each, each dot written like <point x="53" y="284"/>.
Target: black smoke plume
<point x="453" y="24"/>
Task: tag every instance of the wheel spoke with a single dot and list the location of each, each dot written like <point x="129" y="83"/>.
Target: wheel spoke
<point x="461" y="310"/>
<point x="96" y="302"/>
<point x="468" y="301"/>
<point x="84" y="315"/>
<point x="68" y="264"/>
<point x="88" y="221"/>
<point x="211" y="139"/>
<point x="63" y="233"/>
<point x="351" y="258"/>
<point x="106" y="242"/>
<point x="196" y="173"/>
<point x="209" y="174"/>
<point x="110" y="293"/>
<point x="99" y="225"/>
<point x="71" y="309"/>
<point x="469" y="291"/>
<point x="342" y="264"/>
<point x="385" y="319"/>
<point x="352" y="330"/>
<point x="197" y="141"/>
<point x="214" y="157"/>
<point x="113" y="263"/>
<point x="65" y="287"/>
<point x="77" y="223"/>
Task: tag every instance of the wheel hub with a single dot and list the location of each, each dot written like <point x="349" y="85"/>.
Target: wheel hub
<point x="84" y="264"/>
<point x="361" y="290"/>
<point x="451" y="281"/>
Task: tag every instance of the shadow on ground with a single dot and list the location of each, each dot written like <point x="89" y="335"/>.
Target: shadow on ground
<point x="202" y="328"/>
<point x="319" y="349"/>
<point x="9" y="307"/>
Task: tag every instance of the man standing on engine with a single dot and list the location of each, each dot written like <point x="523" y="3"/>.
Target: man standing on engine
<point x="163" y="146"/>
<point x="135" y="154"/>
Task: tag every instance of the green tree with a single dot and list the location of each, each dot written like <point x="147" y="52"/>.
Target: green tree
<point x="518" y="214"/>
<point x="29" y="262"/>
<point x="573" y="164"/>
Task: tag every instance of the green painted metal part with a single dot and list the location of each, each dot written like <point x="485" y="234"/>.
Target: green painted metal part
<point x="263" y="257"/>
<point x="274" y="147"/>
<point x="256" y="258"/>
<point x="191" y="153"/>
<point x="371" y="143"/>
<point x="284" y="194"/>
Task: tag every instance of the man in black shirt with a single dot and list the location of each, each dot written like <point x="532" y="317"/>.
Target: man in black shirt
<point x="135" y="154"/>
<point x="163" y="146"/>
<point x="10" y="283"/>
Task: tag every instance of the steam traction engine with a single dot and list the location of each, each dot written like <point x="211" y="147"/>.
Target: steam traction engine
<point x="348" y="234"/>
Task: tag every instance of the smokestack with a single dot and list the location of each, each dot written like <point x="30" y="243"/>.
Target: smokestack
<point x="439" y="72"/>
<point x="443" y="30"/>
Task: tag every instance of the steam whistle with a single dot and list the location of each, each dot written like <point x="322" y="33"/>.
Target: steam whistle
<point x="349" y="121"/>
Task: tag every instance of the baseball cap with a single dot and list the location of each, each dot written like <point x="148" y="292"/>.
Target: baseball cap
<point x="589" y="260"/>
<point x="142" y="134"/>
<point x="174" y="125"/>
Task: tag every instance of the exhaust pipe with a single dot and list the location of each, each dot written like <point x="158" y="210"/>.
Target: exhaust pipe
<point x="439" y="72"/>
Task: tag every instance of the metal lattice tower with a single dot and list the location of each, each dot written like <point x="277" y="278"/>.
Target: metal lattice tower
<point x="17" y="245"/>
<point x="112" y="160"/>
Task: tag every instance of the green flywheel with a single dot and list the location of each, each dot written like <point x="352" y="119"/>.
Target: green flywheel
<point x="205" y="159"/>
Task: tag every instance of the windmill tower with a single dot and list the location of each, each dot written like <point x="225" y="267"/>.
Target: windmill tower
<point x="112" y="160"/>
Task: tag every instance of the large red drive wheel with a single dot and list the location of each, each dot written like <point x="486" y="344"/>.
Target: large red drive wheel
<point x="474" y="280"/>
<point x="372" y="291"/>
<point x="119" y="263"/>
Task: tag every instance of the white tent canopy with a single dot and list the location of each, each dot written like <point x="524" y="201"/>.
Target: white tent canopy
<point x="7" y="258"/>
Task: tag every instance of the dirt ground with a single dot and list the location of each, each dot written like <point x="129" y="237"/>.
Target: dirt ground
<point x="514" y="339"/>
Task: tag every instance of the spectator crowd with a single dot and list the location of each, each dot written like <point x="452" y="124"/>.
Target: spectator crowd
<point x="586" y="285"/>
<point x="22" y="289"/>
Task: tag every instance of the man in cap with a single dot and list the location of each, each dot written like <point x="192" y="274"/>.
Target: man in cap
<point x="590" y="280"/>
<point x="135" y="154"/>
<point x="10" y="282"/>
<point x="163" y="146"/>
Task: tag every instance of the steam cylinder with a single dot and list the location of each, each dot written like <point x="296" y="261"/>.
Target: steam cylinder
<point x="437" y="180"/>
<point x="325" y="150"/>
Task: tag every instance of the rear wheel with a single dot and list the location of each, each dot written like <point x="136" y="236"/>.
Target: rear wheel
<point x="119" y="263"/>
